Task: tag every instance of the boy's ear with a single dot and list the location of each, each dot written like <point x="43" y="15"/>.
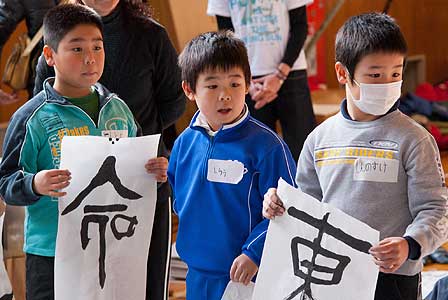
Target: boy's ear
<point x="48" y="54"/>
<point x="188" y="91"/>
<point x="341" y="73"/>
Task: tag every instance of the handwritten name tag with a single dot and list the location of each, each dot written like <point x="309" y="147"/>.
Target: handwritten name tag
<point x="376" y="169"/>
<point x="225" y="171"/>
<point x="115" y="134"/>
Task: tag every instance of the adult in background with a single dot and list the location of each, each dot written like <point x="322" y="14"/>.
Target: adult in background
<point x="141" y="67"/>
<point x="274" y="33"/>
<point x="12" y="12"/>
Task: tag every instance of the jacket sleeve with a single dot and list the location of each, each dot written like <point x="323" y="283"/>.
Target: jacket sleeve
<point x="427" y="194"/>
<point x="278" y="163"/>
<point x="11" y="13"/>
<point x="306" y="178"/>
<point x="168" y="92"/>
<point x="43" y="71"/>
<point x="19" y="163"/>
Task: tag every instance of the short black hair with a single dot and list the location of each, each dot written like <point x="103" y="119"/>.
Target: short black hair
<point x="366" y="34"/>
<point x="210" y="51"/>
<point x="61" y="19"/>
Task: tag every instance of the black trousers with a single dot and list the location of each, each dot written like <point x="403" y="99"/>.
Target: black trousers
<point x="293" y="108"/>
<point x="160" y="248"/>
<point x="39" y="277"/>
<point x="398" y="287"/>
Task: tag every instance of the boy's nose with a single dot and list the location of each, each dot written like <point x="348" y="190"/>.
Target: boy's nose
<point x="89" y="59"/>
<point x="225" y="97"/>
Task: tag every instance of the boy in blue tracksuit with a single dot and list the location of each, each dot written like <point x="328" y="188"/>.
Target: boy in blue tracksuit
<point x="72" y="103"/>
<point x="220" y="167"/>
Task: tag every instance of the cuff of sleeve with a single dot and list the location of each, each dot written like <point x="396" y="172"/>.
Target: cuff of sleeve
<point x="29" y="192"/>
<point x="252" y="256"/>
<point x="414" y="248"/>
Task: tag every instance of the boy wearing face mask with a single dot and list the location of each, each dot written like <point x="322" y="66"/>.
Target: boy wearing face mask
<point x="375" y="163"/>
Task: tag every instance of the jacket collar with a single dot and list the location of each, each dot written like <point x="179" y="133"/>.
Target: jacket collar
<point x="230" y="129"/>
<point x="52" y="96"/>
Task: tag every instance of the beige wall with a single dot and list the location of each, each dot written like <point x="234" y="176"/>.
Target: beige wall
<point x="190" y="19"/>
<point x="424" y="24"/>
<point x="183" y="19"/>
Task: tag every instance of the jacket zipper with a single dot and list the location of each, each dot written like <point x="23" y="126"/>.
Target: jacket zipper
<point x="99" y="113"/>
<point x="209" y="151"/>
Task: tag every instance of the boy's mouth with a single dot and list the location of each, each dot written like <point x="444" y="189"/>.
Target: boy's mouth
<point x="89" y="73"/>
<point x="224" y="110"/>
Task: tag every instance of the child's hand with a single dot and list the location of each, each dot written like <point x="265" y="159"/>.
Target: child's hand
<point x="158" y="166"/>
<point x="243" y="269"/>
<point x="272" y="205"/>
<point x="390" y="254"/>
<point x="48" y="182"/>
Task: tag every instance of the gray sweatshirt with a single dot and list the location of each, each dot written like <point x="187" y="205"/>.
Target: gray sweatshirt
<point x="386" y="173"/>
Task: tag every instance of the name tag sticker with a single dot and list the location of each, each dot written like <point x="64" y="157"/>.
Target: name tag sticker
<point x="225" y="171"/>
<point x="376" y="169"/>
<point x="115" y="134"/>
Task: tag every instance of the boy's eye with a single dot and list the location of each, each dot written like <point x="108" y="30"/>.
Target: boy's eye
<point x="375" y="75"/>
<point x="212" y="87"/>
<point x="236" y="84"/>
<point x="77" y="49"/>
<point x="396" y="75"/>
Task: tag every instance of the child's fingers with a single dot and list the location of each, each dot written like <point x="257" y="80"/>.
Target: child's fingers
<point x="267" y="212"/>
<point x="271" y="194"/>
<point x="59" y="178"/>
<point x="238" y="273"/>
<point x="246" y="280"/>
<point x="158" y="160"/>
<point x="276" y="205"/>
<point x="389" y="269"/>
<point x="243" y="276"/>
<point x="156" y="170"/>
<point x="56" y="172"/>
<point x="157" y="163"/>
<point x="59" y="186"/>
<point x="383" y="262"/>
<point x="161" y="178"/>
<point x="232" y="271"/>
<point x="160" y="175"/>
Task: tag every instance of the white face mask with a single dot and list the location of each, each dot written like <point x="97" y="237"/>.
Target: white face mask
<point x="376" y="99"/>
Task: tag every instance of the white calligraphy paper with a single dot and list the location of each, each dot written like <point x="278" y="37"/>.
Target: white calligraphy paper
<point x="238" y="291"/>
<point x="315" y="251"/>
<point x="105" y="220"/>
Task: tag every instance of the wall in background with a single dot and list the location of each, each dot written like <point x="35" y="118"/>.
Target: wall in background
<point x="423" y="23"/>
<point x="7" y="110"/>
